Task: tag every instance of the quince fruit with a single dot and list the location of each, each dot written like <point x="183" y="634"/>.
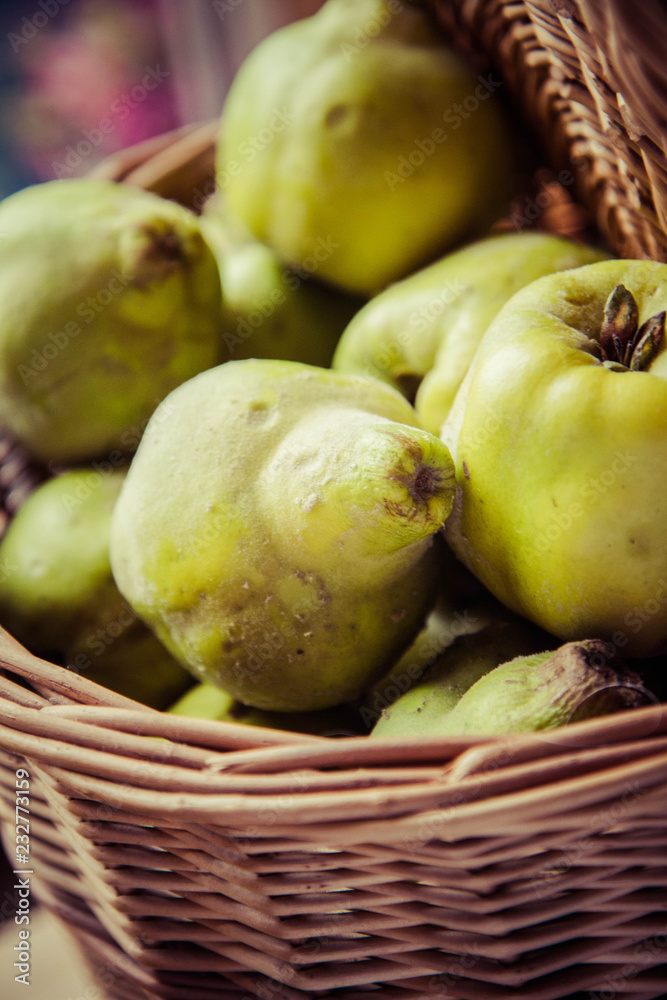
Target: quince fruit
<point x="109" y="299"/>
<point x="269" y="310"/>
<point x="277" y="530"/>
<point x="559" y="433"/>
<point x="359" y="142"/>
<point x="421" y="333"/>
<point x="58" y="597"/>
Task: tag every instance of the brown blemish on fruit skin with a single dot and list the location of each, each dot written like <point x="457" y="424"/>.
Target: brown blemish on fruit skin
<point x="335" y="115"/>
<point x="163" y="253"/>
<point x="420" y="480"/>
<point x="318" y="583"/>
<point x="421" y="484"/>
<point x="424" y="484"/>
<point x="410" y="447"/>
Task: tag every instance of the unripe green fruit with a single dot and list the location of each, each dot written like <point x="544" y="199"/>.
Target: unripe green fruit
<point x="461" y="607"/>
<point x="420" y="334"/>
<point x="208" y="701"/>
<point x="359" y="140"/>
<point x="276" y="530"/>
<point x="270" y="311"/>
<point x="129" y="659"/>
<point x="55" y="560"/>
<point x="559" y="432"/>
<point x="531" y="693"/>
<point x="498" y="637"/>
<point x="109" y="299"/>
<point x="58" y="597"/>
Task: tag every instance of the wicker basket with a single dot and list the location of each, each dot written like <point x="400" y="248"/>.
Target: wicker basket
<point x="224" y="861"/>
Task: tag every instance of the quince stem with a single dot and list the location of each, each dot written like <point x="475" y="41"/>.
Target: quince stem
<point x="625" y="345"/>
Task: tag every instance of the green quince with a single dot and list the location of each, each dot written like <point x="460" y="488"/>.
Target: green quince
<point x="559" y="433"/>
<point x="208" y="701"/>
<point x="109" y="298"/>
<point x="277" y="530"/>
<point x="54" y="560"/>
<point x="578" y="681"/>
<point x="496" y="635"/>
<point x="122" y="654"/>
<point x="58" y="596"/>
<point x="421" y="333"/>
<point x="462" y="606"/>
<point x="269" y="310"/>
<point x="359" y="141"/>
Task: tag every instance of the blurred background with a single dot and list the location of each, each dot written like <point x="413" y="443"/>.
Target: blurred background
<point x="81" y="79"/>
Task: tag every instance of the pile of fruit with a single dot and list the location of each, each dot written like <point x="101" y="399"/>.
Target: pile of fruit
<point x="332" y="456"/>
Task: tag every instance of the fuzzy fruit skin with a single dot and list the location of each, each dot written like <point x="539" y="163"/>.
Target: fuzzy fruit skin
<point x="270" y="311"/>
<point x="109" y="298"/>
<point x="55" y="560"/>
<point x="421" y="333"/>
<point x="561" y="463"/>
<point x="495" y="637"/>
<point x="58" y="597"/>
<point x="461" y="607"/>
<point x="317" y="133"/>
<point x="532" y="693"/>
<point x="267" y="533"/>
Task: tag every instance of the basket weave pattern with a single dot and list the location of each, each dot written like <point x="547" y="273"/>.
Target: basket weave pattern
<point x="591" y="79"/>
<point x="525" y="867"/>
<point x="200" y="860"/>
